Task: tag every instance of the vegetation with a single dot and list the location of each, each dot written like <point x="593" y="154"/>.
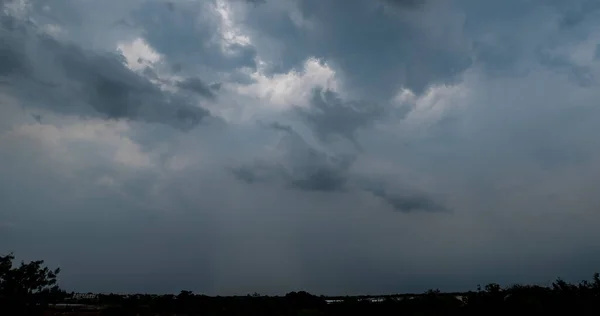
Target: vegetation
<point x="27" y="288"/>
<point x="31" y="289"/>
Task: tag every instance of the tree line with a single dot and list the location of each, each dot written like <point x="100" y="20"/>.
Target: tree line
<point x="31" y="289"/>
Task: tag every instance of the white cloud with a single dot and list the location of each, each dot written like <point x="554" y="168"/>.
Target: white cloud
<point x="421" y="112"/>
<point x="138" y="54"/>
<point x="431" y="106"/>
<point x="231" y="34"/>
<point x="283" y="91"/>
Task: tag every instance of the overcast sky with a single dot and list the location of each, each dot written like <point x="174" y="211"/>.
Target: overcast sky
<point x="333" y="146"/>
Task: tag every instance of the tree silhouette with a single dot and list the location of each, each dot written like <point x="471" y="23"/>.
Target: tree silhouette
<point x="28" y="286"/>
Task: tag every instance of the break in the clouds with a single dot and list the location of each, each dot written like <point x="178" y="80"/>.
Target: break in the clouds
<point x="343" y="146"/>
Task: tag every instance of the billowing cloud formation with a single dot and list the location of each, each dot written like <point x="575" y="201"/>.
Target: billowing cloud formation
<point x="68" y="79"/>
<point x="329" y="116"/>
<point x="344" y="146"/>
<point x="301" y="166"/>
<point x="396" y="46"/>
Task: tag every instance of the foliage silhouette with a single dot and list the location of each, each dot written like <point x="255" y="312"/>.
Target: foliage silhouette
<point x="31" y="289"/>
<point x="27" y="287"/>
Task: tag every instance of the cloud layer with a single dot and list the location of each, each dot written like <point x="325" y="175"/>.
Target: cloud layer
<point x="339" y="147"/>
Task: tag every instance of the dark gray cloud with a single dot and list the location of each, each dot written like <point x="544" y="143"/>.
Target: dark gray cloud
<point x="406" y="48"/>
<point x="576" y="13"/>
<point x="499" y="58"/>
<point x="300" y="167"/>
<point x="280" y="127"/>
<point x="407" y="3"/>
<point x="329" y="116"/>
<point x="185" y="38"/>
<point x="255" y="2"/>
<point x="404" y="202"/>
<point x="502" y="48"/>
<point x="37" y="118"/>
<point x="171" y="6"/>
<point x="68" y="79"/>
<point x="312" y="170"/>
<point x="197" y="85"/>
<point x="258" y="172"/>
<point x="581" y="75"/>
<point x="396" y="48"/>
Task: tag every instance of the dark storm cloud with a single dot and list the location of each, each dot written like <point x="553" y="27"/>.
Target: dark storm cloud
<point x="329" y="116"/>
<point x="576" y="13"/>
<point x="501" y="47"/>
<point x="257" y="172"/>
<point x="404" y="202"/>
<point x="255" y="2"/>
<point x="281" y="127"/>
<point x="498" y="58"/>
<point x="406" y="3"/>
<point x="185" y="38"/>
<point x="171" y="6"/>
<point x="200" y="87"/>
<point x="581" y="75"/>
<point x="67" y="77"/>
<point x="362" y="42"/>
<point x="37" y="118"/>
<point x="418" y="48"/>
<point x="324" y="179"/>
<point x="13" y="62"/>
<point x="302" y="167"/>
<point x="311" y="169"/>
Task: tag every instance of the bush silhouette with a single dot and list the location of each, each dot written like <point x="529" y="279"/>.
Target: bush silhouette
<point x="31" y="288"/>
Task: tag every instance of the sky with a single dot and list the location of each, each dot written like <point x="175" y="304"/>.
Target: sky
<point x="334" y="146"/>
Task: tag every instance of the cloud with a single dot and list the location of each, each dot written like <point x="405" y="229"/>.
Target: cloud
<point x="37" y="118"/>
<point x="86" y="83"/>
<point x="329" y="116"/>
<point x="289" y="90"/>
<point x="380" y="49"/>
<point x="200" y="87"/>
<point x="404" y="202"/>
<point x="302" y="167"/>
<point x="577" y="14"/>
<point x="197" y="34"/>
<point x="444" y="144"/>
<point x="407" y="3"/>
<point x="171" y="6"/>
<point x="299" y="165"/>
